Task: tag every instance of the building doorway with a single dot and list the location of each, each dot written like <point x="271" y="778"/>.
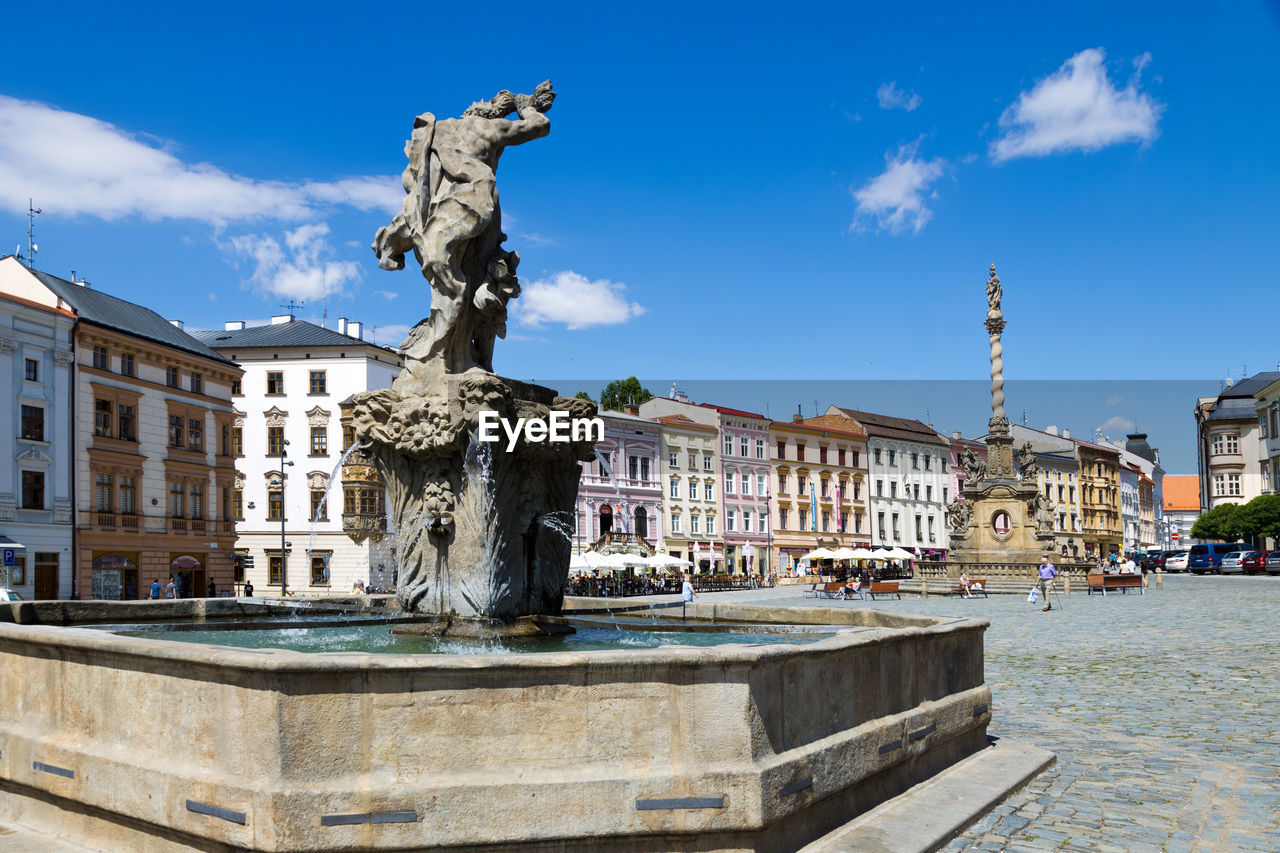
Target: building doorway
<point x="606" y="519"/>
<point x="188" y="576"/>
<point x="642" y="522"/>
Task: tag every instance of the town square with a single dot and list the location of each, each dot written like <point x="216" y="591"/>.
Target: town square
<point x="866" y="481"/>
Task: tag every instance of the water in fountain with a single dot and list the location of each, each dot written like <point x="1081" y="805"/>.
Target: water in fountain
<point x="334" y="477"/>
<point x="474" y="507"/>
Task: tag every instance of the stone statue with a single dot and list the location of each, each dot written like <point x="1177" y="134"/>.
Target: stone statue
<point x="452" y="222"/>
<point x="994" y="294"/>
<point x="479" y="537"/>
<point x="959" y="515"/>
<point x="974" y="468"/>
<point x="1027" y="467"/>
<point x="1043" y="513"/>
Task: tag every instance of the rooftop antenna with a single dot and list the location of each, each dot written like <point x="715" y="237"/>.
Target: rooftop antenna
<point x="32" y="248"/>
<point x="292" y="305"/>
<point x="324" y="298"/>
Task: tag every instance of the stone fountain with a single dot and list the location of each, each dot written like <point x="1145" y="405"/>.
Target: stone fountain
<point x="478" y="543"/>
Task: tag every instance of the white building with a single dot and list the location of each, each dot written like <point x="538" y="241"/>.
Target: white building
<point x="36" y="491"/>
<point x="1267" y="405"/>
<point x="1129" y="475"/>
<point x="287" y="411"/>
<point x="909" y="483"/>
<point x="1230" y="446"/>
<point x="691" y="477"/>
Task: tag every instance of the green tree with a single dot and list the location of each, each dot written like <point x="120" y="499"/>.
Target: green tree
<point x="583" y="395"/>
<point x="1216" y="524"/>
<point x="622" y="392"/>
<point x="1258" y="518"/>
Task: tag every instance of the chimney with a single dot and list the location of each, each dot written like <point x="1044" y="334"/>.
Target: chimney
<point x="281" y="319"/>
<point x="631" y="409"/>
<point x="355" y="329"/>
<point x="342" y="325"/>
<point x="233" y="326"/>
<point x="797" y="418"/>
<point x="955" y="435"/>
<point x="1052" y="429"/>
<point x="1066" y="433"/>
<point x="177" y="323"/>
<point x="1230" y="382"/>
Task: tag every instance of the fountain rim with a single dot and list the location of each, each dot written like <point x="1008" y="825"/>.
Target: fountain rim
<point x="63" y="640"/>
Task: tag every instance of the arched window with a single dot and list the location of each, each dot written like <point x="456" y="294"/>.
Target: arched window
<point x="606" y="519"/>
<point x="642" y="522"/>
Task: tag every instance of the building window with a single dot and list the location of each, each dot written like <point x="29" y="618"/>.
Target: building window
<point x="876" y="456"/>
<point x="693" y="490"/>
<point x="919" y="529"/>
<point x="319" y="506"/>
<point x="316" y="382"/>
<point x="729" y="486"/>
<point x="928" y="492"/>
<point x="33" y="490"/>
<point x="32" y="423"/>
<point x="32" y="368"/>
<point x="197" y="383"/>
<point x="175" y="430"/>
<point x="823" y="485"/>
<point x="675" y="487"/>
<point x="822" y="454"/>
<point x="893" y="457"/>
<point x="237" y="389"/>
<point x="826" y="520"/>
<point x="275" y="504"/>
<point x="708" y="492"/>
<point x="319" y="441"/>
<point x="895" y="527"/>
<point x="195" y="434"/>
<point x="1233" y="485"/>
<point x="197" y="500"/>
<point x="799" y="451"/>
<point x="893" y="488"/>
<point x="126" y="364"/>
<point x="237" y="441"/>
<point x="857" y="523"/>
<point x="673" y="459"/>
<point x="695" y="524"/>
<point x="782" y="450"/>
<point x="879" y="488"/>
<point x="127" y="423"/>
<point x="915" y="460"/>
<point x="102" y="492"/>
<point x="782" y="519"/>
<point x="101" y="417"/>
<point x="840" y="456"/>
<point x="100" y="357"/>
<point x="128" y="494"/>
<point x="176" y="500"/>
<point x="880" y="524"/>
<point x="853" y="461"/>
<point x="706" y="462"/>
<point x="915" y="491"/>
<point x="746" y="521"/>
<point x="728" y="445"/>
<point x="763" y="521"/>
<point x="932" y="536"/>
<point x="319" y="568"/>
<point x="711" y="525"/>
<point x="237" y="504"/>
<point x="171" y="376"/>
<point x="928" y="462"/>
<point x="275" y="382"/>
<point x="675" y="523"/>
<point x="857" y="490"/>
<point x="745" y="446"/>
<point x="782" y="483"/>
<point x="275" y="440"/>
<point x="730" y="521"/>
<point x="759" y="448"/>
<point x="802" y="484"/>
<point x="275" y="567"/>
<point x="804" y="518"/>
<point x="693" y="461"/>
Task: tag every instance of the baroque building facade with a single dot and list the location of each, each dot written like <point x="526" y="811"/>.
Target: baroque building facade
<point x="1229" y="442"/>
<point x="620" y="490"/>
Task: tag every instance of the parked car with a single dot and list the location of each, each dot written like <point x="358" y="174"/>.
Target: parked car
<point x="9" y="595"/>
<point x="1208" y="557"/>
<point x="1273" y="563"/>
<point x="1232" y="563"/>
<point x="1176" y="561"/>
<point x="1254" y="562"/>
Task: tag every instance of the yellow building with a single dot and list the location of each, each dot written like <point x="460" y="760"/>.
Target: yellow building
<point x="1100" y="499"/>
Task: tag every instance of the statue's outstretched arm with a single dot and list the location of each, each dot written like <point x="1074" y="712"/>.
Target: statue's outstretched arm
<point x="531" y="125"/>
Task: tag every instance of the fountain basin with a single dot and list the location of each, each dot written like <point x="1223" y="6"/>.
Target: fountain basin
<point x="158" y="745"/>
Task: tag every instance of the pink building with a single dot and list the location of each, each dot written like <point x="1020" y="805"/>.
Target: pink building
<point x="625" y="494"/>
<point x="744" y="490"/>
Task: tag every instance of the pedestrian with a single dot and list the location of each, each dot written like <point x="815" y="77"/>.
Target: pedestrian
<point x="155" y="588"/>
<point x="964" y="584"/>
<point x="1047" y="574"/>
<point x="213" y="590"/>
<point x="248" y="589"/>
<point x="171" y="589"/>
<point x="687" y="595"/>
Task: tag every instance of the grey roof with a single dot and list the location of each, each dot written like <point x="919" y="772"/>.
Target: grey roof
<point x="1136" y="443"/>
<point x="1252" y="385"/>
<point x="1236" y="403"/>
<point x="103" y="309"/>
<point x="296" y="333"/>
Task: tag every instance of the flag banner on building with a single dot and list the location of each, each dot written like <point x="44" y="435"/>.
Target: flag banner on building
<point x="813" y="506"/>
<point x="839" y="507"/>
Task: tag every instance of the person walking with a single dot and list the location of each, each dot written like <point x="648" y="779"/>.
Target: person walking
<point x="1047" y="575"/>
<point x="155" y="588"/>
<point x="171" y="589"/>
<point x="687" y="595"/>
<point x="248" y="589"/>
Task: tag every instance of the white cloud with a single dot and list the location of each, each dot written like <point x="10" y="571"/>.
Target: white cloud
<point x="893" y="98"/>
<point x="535" y="239"/>
<point x="896" y="197"/>
<point x="1078" y="107"/>
<point x="74" y="164"/>
<point x="1116" y="424"/>
<point x="386" y="294"/>
<point x="300" y="269"/>
<point x="569" y="298"/>
<point x="1114" y="400"/>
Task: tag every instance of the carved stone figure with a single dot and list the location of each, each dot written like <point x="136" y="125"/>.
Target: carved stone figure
<point x="959" y="514"/>
<point x="1027" y="467"/>
<point x="479" y="530"/>
<point x="974" y="468"/>
<point x="1042" y="509"/>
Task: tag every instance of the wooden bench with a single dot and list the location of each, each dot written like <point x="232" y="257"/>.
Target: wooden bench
<point x="1123" y="583"/>
<point x="820" y="588"/>
<point x="883" y="588"/>
<point x="977" y="586"/>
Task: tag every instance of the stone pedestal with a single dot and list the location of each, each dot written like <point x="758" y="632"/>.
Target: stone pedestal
<point x="481" y="531"/>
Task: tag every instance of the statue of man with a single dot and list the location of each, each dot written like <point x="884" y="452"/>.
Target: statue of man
<point x="452" y="222"/>
<point x="974" y="468"/>
<point x="1027" y="468"/>
<point x="994" y="292"/>
<point x="958" y="516"/>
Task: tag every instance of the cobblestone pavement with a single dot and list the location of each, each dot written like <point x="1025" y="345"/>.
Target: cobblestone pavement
<point x="1163" y="709"/>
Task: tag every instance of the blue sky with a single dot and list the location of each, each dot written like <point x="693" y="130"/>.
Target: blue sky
<point x="724" y="194"/>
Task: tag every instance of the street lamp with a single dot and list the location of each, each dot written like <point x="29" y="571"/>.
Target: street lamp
<point x="284" y="572"/>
